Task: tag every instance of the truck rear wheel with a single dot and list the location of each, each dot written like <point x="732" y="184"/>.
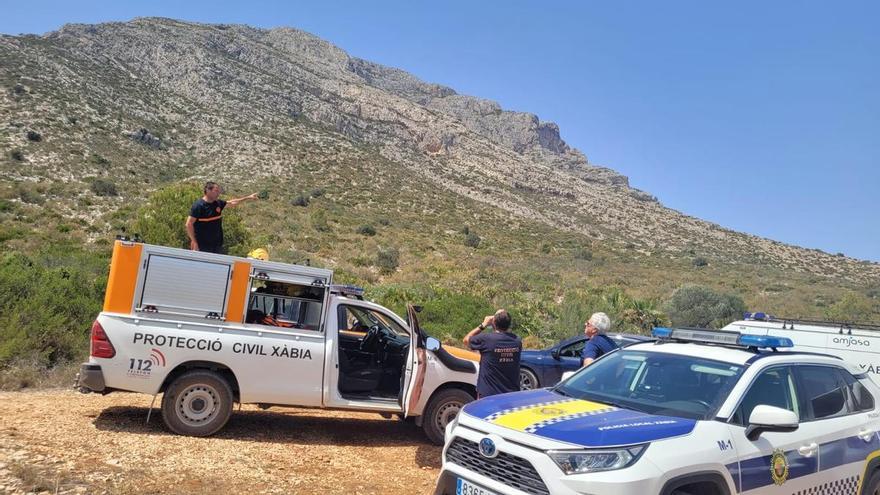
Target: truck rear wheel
<point x="443" y="407"/>
<point x="197" y="403"/>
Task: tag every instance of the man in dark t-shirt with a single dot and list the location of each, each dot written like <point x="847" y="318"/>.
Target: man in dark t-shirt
<point x="204" y="226"/>
<point x="499" y="355"/>
<point x="599" y="343"/>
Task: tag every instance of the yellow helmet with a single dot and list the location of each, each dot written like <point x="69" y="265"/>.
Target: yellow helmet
<point x="259" y="254"/>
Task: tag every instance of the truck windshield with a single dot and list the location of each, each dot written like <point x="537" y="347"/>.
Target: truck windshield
<point x="655" y="383"/>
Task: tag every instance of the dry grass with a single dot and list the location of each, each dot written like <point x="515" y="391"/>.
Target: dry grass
<point x="24" y="374"/>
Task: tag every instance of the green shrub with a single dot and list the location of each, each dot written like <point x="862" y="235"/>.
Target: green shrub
<point x="698" y="306"/>
<point x="699" y="262"/>
<point x="367" y="230"/>
<point x="583" y="253"/>
<point x="319" y="221"/>
<point x="17" y="155"/>
<point x="97" y="159"/>
<point x="300" y="201"/>
<point x="30" y="195"/>
<point x="853" y="307"/>
<point x="103" y="187"/>
<point x="162" y="218"/>
<point x="34" y="136"/>
<point x="387" y="259"/>
<point x="316" y="193"/>
<point x="446" y="314"/>
<point x="48" y="301"/>
<point x="628" y="314"/>
<point x="472" y="240"/>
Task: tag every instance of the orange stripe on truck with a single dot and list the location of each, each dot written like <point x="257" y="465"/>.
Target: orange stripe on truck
<point x="463" y="353"/>
<point x="123" y="277"/>
<point x="241" y="272"/>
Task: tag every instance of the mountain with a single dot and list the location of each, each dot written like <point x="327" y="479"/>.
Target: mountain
<point x="143" y="103"/>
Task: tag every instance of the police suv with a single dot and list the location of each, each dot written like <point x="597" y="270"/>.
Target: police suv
<point x="857" y="343"/>
<point x="697" y="412"/>
<point x="208" y="330"/>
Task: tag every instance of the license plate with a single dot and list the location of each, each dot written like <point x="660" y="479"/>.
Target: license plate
<point x="465" y="487"/>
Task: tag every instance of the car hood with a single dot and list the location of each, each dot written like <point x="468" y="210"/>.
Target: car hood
<point x="585" y="423"/>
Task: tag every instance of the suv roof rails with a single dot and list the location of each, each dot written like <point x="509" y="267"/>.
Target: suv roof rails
<point x="788" y="323"/>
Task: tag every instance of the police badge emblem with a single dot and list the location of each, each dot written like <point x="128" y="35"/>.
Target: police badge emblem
<point x="778" y="467"/>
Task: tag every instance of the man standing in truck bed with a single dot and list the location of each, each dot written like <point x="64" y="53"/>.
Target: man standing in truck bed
<point x="204" y="226"/>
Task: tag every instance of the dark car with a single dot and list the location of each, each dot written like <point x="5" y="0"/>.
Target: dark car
<point x="544" y="368"/>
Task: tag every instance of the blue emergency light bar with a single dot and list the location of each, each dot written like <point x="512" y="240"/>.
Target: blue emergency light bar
<point x="759" y="316"/>
<point x="721" y="337"/>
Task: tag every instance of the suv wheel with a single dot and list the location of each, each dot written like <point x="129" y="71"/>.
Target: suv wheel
<point x="197" y="403"/>
<point x="527" y="379"/>
<point x="872" y="487"/>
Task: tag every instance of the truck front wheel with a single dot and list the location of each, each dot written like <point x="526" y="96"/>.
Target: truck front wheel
<point x="197" y="403"/>
<point x="443" y="407"/>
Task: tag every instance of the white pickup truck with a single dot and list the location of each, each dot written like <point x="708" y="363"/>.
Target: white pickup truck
<point x="208" y="330"/>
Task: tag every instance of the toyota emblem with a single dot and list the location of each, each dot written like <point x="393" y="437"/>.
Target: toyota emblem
<point x="487" y="448"/>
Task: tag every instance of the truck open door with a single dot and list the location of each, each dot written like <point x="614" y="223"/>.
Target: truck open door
<point x="415" y="366"/>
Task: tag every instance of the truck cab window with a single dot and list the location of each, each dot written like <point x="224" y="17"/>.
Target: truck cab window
<point x="285" y="305"/>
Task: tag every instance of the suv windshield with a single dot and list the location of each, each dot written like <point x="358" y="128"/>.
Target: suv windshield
<point x="655" y="383"/>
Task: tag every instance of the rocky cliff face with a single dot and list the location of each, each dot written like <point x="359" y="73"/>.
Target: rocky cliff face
<point x="240" y="97"/>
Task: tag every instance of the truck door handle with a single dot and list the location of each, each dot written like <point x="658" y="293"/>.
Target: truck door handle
<point x="866" y="435"/>
<point x="808" y="450"/>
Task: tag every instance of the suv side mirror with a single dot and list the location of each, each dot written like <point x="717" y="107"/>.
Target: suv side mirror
<point x="432" y="344"/>
<point x="555" y="354"/>
<point x="770" y="418"/>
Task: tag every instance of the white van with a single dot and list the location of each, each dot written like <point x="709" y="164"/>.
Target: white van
<point x="208" y="330"/>
<point x="856" y="343"/>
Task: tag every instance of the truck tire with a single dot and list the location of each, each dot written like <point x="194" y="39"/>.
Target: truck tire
<point x="197" y="403"/>
<point x="443" y="407"/>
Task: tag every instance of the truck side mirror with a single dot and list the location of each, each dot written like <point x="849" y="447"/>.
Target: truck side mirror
<point x="432" y="344"/>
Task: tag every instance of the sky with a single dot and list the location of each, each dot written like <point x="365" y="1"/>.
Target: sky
<point x="763" y="117"/>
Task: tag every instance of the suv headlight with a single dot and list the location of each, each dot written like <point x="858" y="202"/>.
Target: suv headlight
<point x="591" y="461"/>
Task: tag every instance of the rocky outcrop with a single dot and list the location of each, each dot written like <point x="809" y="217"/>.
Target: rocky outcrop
<point x="229" y="97"/>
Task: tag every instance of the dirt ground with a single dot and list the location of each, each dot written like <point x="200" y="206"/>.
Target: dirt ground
<point x="61" y="441"/>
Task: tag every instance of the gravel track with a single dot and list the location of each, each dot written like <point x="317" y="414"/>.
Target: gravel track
<point x="60" y="441"/>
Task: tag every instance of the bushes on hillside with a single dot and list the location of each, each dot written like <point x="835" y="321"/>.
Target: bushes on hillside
<point x="388" y="259"/>
<point x="628" y="314"/>
<point x="698" y="306"/>
<point x="48" y="301"/>
<point x="472" y="240"/>
<point x="161" y="220"/>
<point x="103" y="187"/>
<point x="367" y="230"/>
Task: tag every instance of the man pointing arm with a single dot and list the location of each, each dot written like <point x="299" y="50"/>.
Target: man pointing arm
<point x="204" y="225"/>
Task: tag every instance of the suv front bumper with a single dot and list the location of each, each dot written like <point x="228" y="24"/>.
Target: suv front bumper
<point x="90" y="379"/>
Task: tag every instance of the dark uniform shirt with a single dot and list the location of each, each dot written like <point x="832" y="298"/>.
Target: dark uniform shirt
<point x="209" y="224"/>
<point x="598" y="346"/>
<point x="499" y="362"/>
